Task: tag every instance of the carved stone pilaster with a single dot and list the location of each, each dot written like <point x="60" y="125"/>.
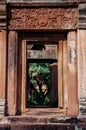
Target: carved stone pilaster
<point x="2" y="70"/>
<point x="72" y="73"/>
<point x="82" y="71"/>
<point x="12" y="73"/>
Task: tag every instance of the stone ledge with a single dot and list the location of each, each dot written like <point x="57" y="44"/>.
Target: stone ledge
<point x="26" y="122"/>
<point x="42" y="120"/>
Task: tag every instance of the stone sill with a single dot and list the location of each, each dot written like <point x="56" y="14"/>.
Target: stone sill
<point x="28" y="120"/>
<point x="44" y="113"/>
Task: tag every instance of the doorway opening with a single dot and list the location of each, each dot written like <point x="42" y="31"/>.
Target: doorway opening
<point x="44" y="61"/>
<point x="42" y="67"/>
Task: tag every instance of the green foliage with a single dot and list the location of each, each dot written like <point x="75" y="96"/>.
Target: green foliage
<point x="39" y="76"/>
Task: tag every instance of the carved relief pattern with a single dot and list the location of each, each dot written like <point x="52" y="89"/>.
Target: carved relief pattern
<point x="43" y="18"/>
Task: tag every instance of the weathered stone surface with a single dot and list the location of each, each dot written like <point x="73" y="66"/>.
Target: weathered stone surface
<point x="2" y="16"/>
<point x="37" y="18"/>
<point x="2" y="109"/>
<point x="2" y="102"/>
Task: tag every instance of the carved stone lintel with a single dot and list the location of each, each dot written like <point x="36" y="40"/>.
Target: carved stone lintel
<point x="43" y="18"/>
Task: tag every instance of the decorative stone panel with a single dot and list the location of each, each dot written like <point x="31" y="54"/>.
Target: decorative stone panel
<point x="42" y="18"/>
<point x="82" y="106"/>
<point x="2" y="16"/>
<point x="82" y="15"/>
<point x="2" y="105"/>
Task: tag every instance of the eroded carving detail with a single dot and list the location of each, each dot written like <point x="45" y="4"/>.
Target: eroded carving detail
<point x="43" y="18"/>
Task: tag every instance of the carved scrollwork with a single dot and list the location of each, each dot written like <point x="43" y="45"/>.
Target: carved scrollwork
<point x="43" y="18"/>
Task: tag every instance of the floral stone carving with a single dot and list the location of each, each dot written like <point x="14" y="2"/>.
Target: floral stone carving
<point x="43" y="18"/>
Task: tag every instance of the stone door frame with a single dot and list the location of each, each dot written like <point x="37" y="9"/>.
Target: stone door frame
<point x="67" y="73"/>
<point x="60" y="84"/>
